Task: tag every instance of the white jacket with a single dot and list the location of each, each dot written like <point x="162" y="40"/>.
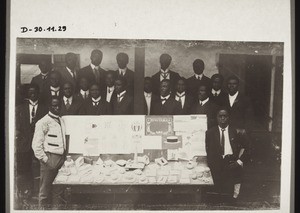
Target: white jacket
<point x="48" y="136"/>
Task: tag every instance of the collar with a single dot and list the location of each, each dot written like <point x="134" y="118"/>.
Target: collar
<point x="93" y="66"/>
<point x="122" y="70"/>
<point x="205" y="101"/>
<point x="166" y="97"/>
<point x="111" y="88"/>
<point x="197" y="76"/>
<point x="180" y="94"/>
<point x="44" y="74"/>
<point x="33" y="103"/>
<point x="164" y="71"/>
<point x="52" y="115"/>
<point x="148" y="95"/>
<point x="84" y="92"/>
<point x="214" y="91"/>
<point x="234" y="96"/>
<point x="226" y="128"/>
<point x="54" y="89"/>
<point x="70" y="99"/>
<point x="121" y="94"/>
<point x="96" y="100"/>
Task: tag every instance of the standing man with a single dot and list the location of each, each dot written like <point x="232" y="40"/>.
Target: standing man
<point x="109" y="91"/>
<point x="42" y="79"/>
<point x="205" y="106"/>
<point x="149" y="98"/>
<point x="70" y="105"/>
<point x="167" y="104"/>
<point x="69" y="72"/>
<point x="164" y="73"/>
<point x="93" y="72"/>
<point x="186" y="101"/>
<point x="122" y="103"/>
<point x="49" y="147"/>
<point x="122" y="61"/>
<point x="225" y="150"/>
<point x="84" y="92"/>
<point x="27" y="114"/>
<point x="197" y="79"/>
<point x="217" y="94"/>
<point x="53" y="90"/>
<point x="95" y="105"/>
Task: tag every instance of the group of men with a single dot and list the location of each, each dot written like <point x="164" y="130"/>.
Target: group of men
<point x="94" y="91"/>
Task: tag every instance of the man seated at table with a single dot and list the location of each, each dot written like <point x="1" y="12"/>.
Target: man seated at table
<point x="109" y="91"/>
<point x="149" y="98"/>
<point x="184" y="99"/>
<point x="95" y="105"/>
<point x="84" y="92"/>
<point x="205" y="106"/>
<point x="167" y="104"/>
<point x="226" y="154"/>
<point x="122" y="103"/>
<point x="70" y="105"/>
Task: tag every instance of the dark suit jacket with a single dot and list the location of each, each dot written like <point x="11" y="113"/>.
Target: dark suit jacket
<point x="25" y="130"/>
<point x="241" y="112"/>
<point x="193" y="84"/>
<point x="125" y="107"/>
<point x="38" y="80"/>
<point x="170" y="107"/>
<point x="174" y="77"/>
<point x="129" y="75"/>
<point x="103" y="108"/>
<point x="66" y="77"/>
<point x="220" y="99"/>
<point x="45" y="96"/>
<point x="80" y="97"/>
<point x="88" y="73"/>
<point x="74" y="109"/>
<point x="188" y="103"/>
<point x="209" y="109"/>
<point x="154" y="100"/>
<point x="214" y="151"/>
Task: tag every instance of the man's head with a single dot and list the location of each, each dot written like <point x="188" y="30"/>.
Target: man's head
<point x="44" y="66"/>
<point x="165" y="61"/>
<point x="110" y="78"/>
<point x="71" y="60"/>
<point x="120" y="84"/>
<point x="165" y="87"/>
<point x="33" y="92"/>
<point x="181" y="85"/>
<point x="95" y="91"/>
<point x="83" y="84"/>
<point x="198" y="66"/>
<point x="223" y="117"/>
<point x="96" y="57"/>
<point x="232" y="84"/>
<point x="217" y="81"/>
<point x="122" y="60"/>
<point x="55" y="106"/>
<point x="147" y="84"/>
<point x="68" y="89"/>
<point x="54" y="79"/>
<point x="202" y="92"/>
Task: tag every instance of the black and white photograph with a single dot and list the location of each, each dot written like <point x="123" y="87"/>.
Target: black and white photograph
<point x="106" y="124"/>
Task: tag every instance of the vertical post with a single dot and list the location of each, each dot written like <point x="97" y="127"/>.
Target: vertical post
<point x="139" y="68"/>
<point x="271" y="109"/>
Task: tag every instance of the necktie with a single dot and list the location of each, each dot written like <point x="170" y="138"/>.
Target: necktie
<point x="180" y="99"/>
<point x="96" y="75"/>
<point x="84" y="95"/>
<point x="74" y="76"/>
<point x="119" y="98"/>
<point x="222" y="141"/>
<point x="164" y="75"/>
<point x="163" y="100"/>
<point x="216" y="94"/>
<point x="32" y="113"/>
<point x="95" y="103"/>
<point x="44" y="77"/>
<point x="55" y="93"/>
<point x="68" y="104"/>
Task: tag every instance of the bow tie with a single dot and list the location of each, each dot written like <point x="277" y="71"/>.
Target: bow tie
<point x="95" y="103"/>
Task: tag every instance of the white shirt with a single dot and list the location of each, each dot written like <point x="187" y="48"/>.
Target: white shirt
<point x="214" y="92"/>
<point x="45" y="75"/>
<point x="148" y="97"/>
<point x="166" y="97"/>
<point x="122" y="71"/>
<point x="121" y="95"/>
<point x="69" y="99"/>
<point x="35" y="104"/>
<point x="94" y="67"/>
<point x="71" y="73"/>
<point x="227" y="146"/>
<point x="232" y="98"/>
<point x="199" y="76"/>
<point x="109" y="92"/>
<point x="96" y="100"/>
<point x="164" y="72"/>
<point x="84" y="93"/>
<point x="203" y="102"/>
<point x="182" y="95"/>
<point x="53" y="90"/>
